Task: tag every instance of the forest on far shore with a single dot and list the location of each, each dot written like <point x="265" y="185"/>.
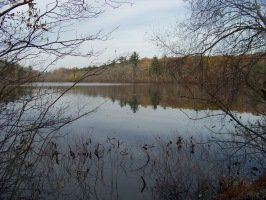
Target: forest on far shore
<point x="165" y="69"/>
<point x="149" y="70"/>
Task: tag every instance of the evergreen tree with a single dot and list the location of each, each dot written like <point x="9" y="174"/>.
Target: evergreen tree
<point x="155" y="66"/>
<point x="134" y="59"/>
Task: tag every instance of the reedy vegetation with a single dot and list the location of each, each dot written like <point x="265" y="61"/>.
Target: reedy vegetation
<point x="35" y="36"/>
<point x="225" y="52"/>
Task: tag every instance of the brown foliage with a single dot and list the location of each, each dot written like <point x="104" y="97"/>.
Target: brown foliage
<point x="243" y="190"/>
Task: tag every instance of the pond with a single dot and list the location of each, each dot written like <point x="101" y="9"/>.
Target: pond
<point x="142" y="112"/>
<point x="136" y="141"/>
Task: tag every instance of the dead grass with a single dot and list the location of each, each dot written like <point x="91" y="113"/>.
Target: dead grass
<point x="243" y="190"/>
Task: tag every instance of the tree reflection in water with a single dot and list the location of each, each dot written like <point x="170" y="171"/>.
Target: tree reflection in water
<point x="154" y="94"/>
<point x="183" y="168"/>
<point x="164" y="95"/>
<point x="133" y="103"/>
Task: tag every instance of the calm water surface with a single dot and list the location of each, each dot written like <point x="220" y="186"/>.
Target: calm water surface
<point x="127" y="124"/>
<point x="142" y="112"/>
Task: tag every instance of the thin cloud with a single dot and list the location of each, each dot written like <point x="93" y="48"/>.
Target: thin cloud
<point x="135" y="22"/>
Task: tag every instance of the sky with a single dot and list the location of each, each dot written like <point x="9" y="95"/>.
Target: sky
<point x="134" y="25"/>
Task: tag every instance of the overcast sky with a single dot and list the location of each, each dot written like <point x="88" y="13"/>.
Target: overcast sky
<point x="135" y="23"/>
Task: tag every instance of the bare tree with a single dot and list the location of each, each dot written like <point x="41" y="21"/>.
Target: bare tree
<point x="225" y="40"/>
<point x="39" y="36"/>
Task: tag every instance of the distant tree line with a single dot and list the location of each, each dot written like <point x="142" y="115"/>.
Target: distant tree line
<point x="164" y="69"/>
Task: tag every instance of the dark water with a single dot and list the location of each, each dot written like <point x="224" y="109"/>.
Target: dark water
<point x="140" y="141"/>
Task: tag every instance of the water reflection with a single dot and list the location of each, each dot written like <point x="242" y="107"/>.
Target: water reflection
<point x="118" y="163"/>
<point x="154" y="94"/>
<point x="13" y="93"/>
<point x="163" y="95"/>
<point x="137" y="112"/>
<point x="133" y="103"/>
